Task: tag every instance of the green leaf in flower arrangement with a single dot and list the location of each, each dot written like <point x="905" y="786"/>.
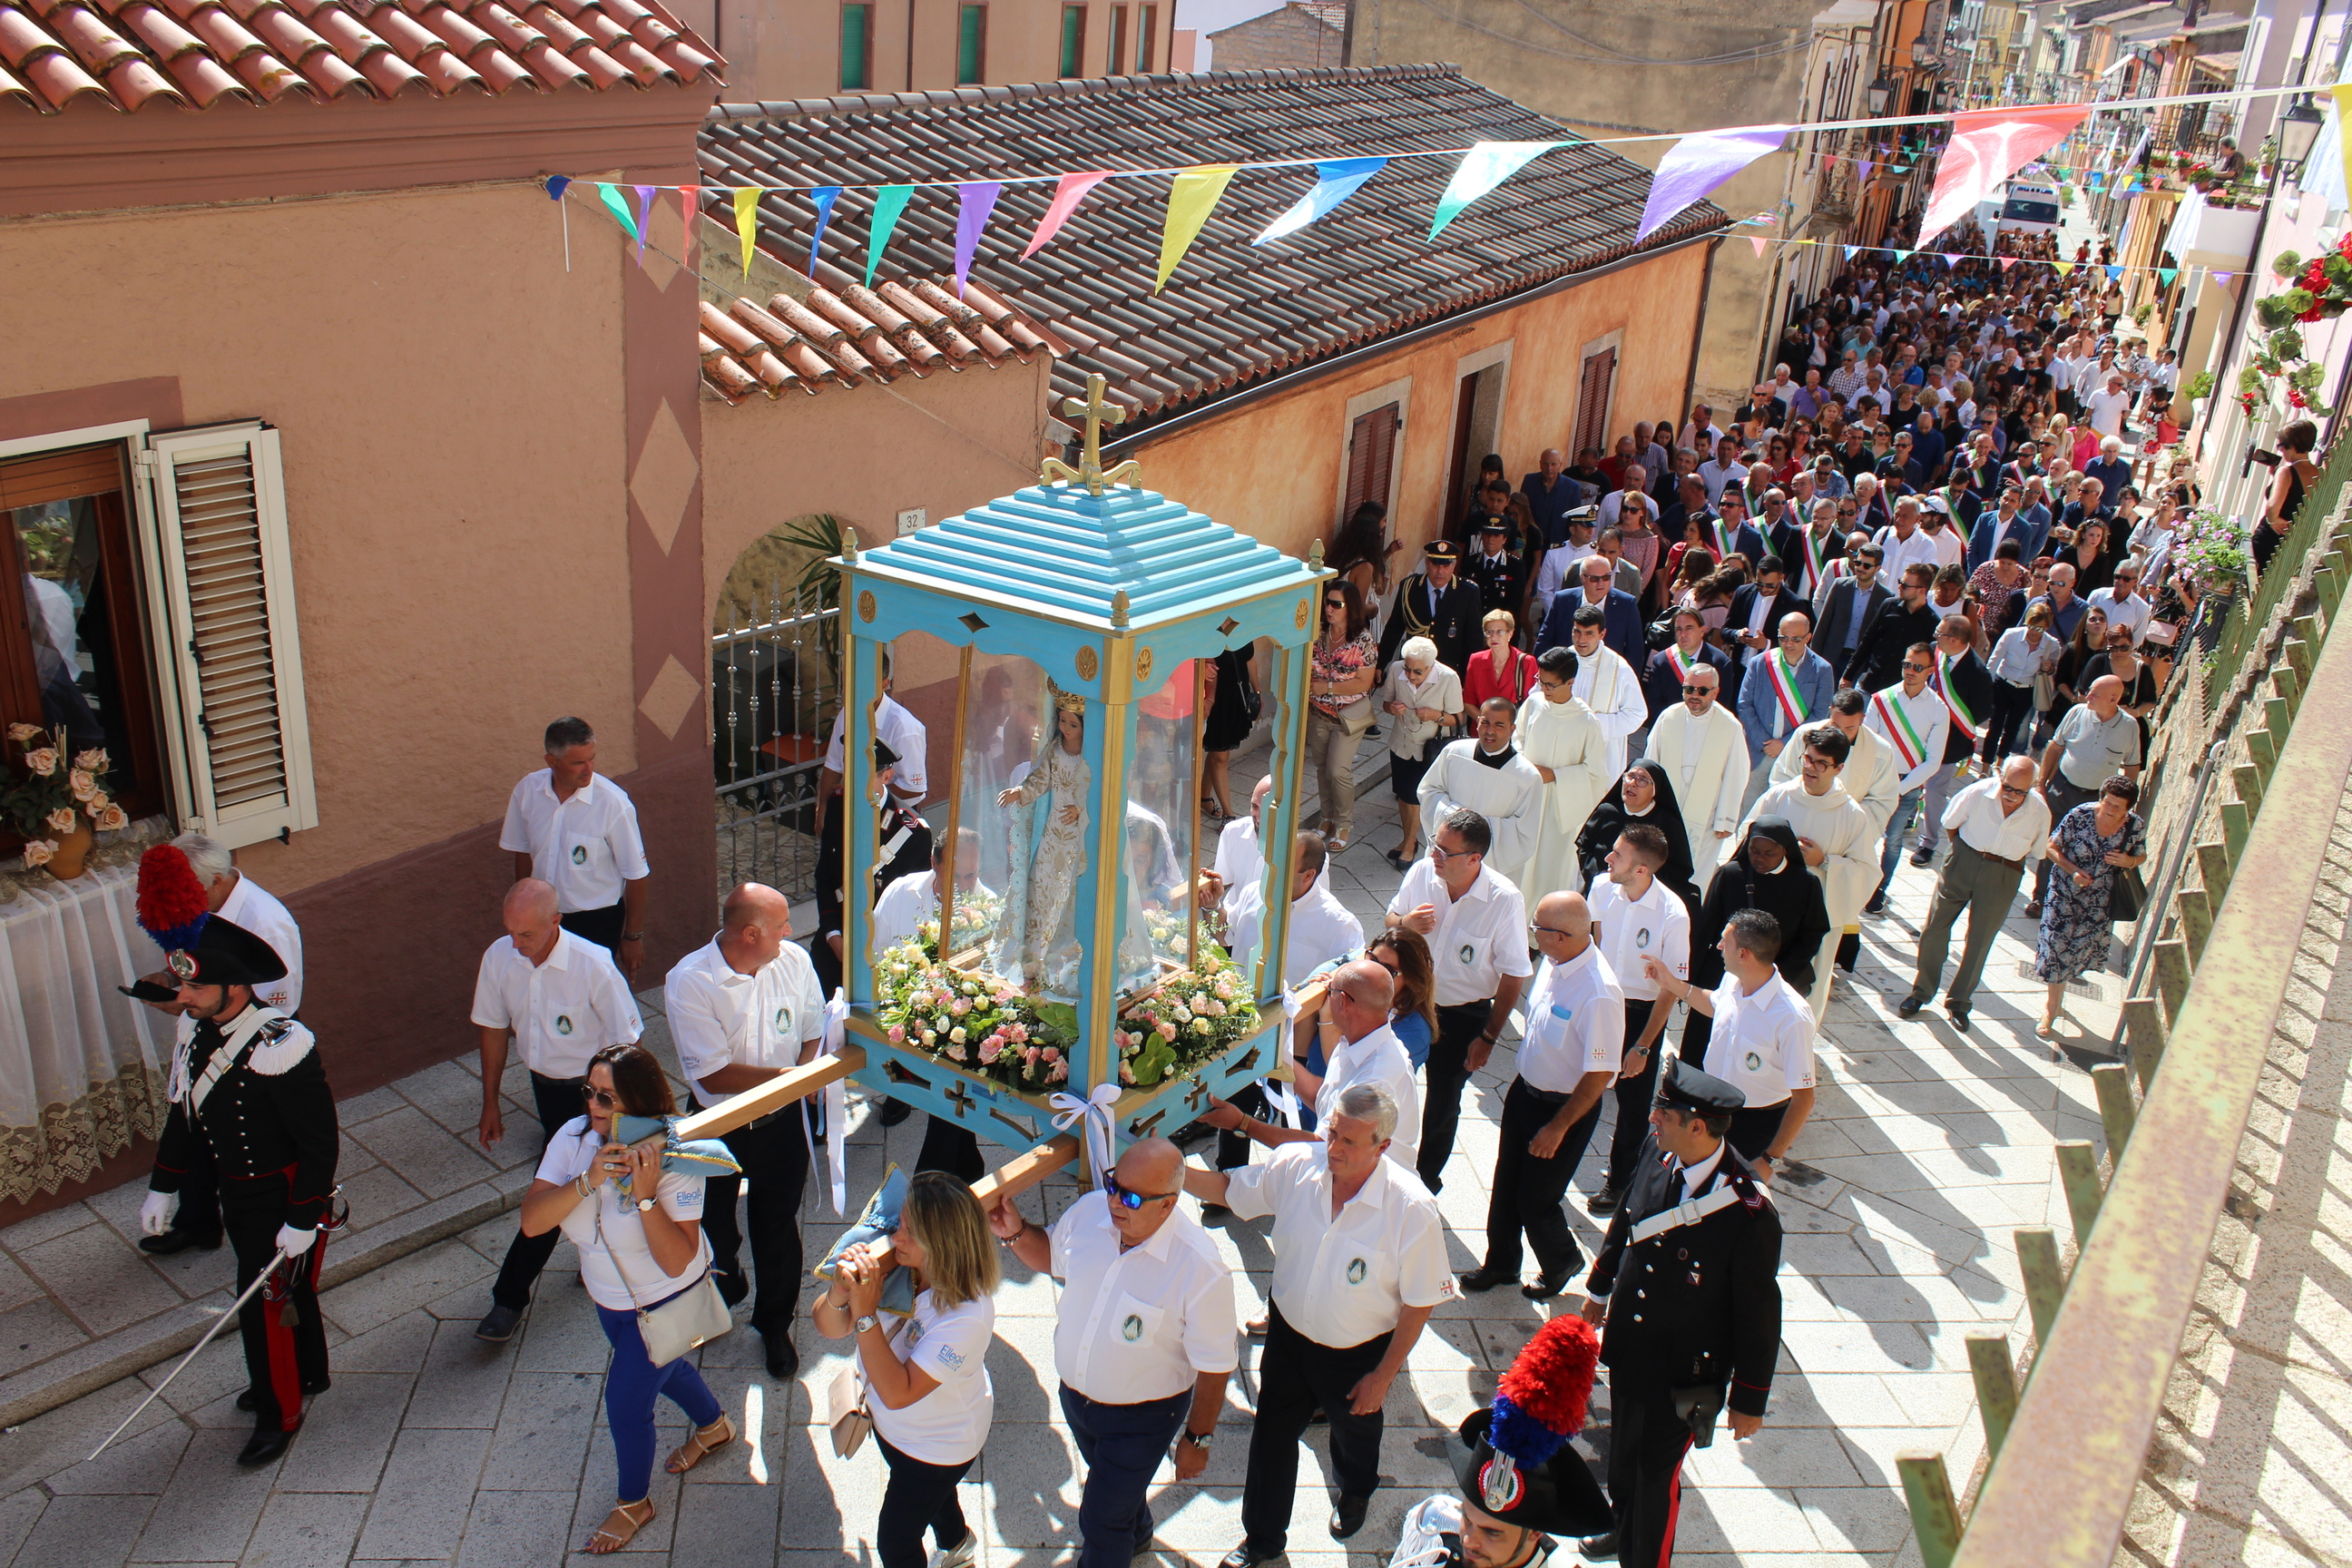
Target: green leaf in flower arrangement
<point x="1061" y="1017"/>
<point x="2286" y="263"/>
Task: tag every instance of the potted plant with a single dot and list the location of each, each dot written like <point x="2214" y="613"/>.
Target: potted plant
<point x="2211" y="554"/>
<point x="58" y="805"/>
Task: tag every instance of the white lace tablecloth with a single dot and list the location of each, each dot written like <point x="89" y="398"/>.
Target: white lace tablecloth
<point x="81" y="1065"/>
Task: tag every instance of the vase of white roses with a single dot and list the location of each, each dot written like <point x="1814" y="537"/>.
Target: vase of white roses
<point x="58" y="801"/>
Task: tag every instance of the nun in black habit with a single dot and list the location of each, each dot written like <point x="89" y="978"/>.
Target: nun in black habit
<point x="1653" y="803"/>
<point x="1765" y="871"/>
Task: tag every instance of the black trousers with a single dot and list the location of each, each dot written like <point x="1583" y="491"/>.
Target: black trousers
<point x="1297" y="1377"/>
<point x="951" y="1147"/>
<point x="1527" y="1192"/>
<point x="1233" y="1147"/>
<point x="2011" y="706"/>
<point x="774" y="1154"/>
<point x="1446" y="1073"/>
<point x="285" y="1338"/>
<point x="920" y="1496"/>
<point x="603" y="927"/>
<point x="1646" y="1444"/>
<point x="1754" y="1127"/>
<point x="557" y="1100"/>
<point x="1634" y="1095"/>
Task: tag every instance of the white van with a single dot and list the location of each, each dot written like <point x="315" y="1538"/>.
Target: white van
<point x="2029" y="207"/>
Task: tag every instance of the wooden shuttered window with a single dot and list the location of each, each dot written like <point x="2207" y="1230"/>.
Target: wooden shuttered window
<point x="1371" y="458"/>
<point x="1592" y="402"/>
<point x="221" y="582"/>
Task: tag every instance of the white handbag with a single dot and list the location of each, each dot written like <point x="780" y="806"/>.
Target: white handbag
<point x="694" y="1317"/>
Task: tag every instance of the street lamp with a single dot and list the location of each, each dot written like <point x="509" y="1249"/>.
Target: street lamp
<point x="1883" y="88"/>
<point x="1922" y="52"/>
<point x="2298" y="129"/>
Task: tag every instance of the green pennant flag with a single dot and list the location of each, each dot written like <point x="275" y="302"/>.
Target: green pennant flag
<point x="889" y="203"/>
<point x="618" y="205"/>
<point x="2166" y="274"/>
<point x="1482" y="168"/>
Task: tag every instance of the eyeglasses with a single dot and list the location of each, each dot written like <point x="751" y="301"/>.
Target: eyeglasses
<point x="1690" y="687"/>
<point x="597" y="1096"/>
<point x="1918" y="668"/>
<point x="1128" y="1197"/>
<point x="1438" y="856"/>
<point x="2010" y="792"/>
<point x="1549" y="930"/>
<point x="1335" y="604"/>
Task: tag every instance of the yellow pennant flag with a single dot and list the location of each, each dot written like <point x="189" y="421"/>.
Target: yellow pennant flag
<point x="1191" y="200"/>
<point x="2342" y="92"/>
<point x="2064" y="267"/>
<point x="747" y="220"/>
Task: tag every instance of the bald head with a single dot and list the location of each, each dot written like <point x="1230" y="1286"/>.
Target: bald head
<point x="1361" y="994"/>
<point x="1563" y="926"/>
<point x="533" y="916"/>
<point x="755" y="924"/>
<point x="1152" y="1168"/>
<point x="2105" y="695"/>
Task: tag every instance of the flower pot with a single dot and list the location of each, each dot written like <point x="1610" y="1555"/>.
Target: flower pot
<point x="72" y="857"/>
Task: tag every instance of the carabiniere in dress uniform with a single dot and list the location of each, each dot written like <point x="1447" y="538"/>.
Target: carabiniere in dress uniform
<point x="248" y="1082"/>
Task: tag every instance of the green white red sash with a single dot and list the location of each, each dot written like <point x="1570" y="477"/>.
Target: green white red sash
<point x="1961" y="717"/>
<point x="1784" y="686"/>
<point x="1684" y="668"/>
<point x="1724" y="534"/>
<point x="1898" y="727"/>
<point x="1815" y="569"/>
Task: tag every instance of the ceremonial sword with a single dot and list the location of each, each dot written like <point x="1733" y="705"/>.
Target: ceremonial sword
<point x="219" y="1324"/>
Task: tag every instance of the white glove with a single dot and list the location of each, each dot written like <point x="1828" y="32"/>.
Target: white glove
<point x="155" y="1214"/>
<point x="295" y="1243"/>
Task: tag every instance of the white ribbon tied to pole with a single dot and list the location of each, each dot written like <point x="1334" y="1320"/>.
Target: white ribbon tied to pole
<point x="1094" y="1111"/>
<point x="837" y="1101"/>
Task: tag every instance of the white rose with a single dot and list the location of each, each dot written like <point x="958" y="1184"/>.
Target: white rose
<point x="957" y="1036"/>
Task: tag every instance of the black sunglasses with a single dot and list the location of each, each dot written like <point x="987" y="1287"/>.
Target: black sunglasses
<point x="595" y="1096"/>
<point x="1128" y="1197"/>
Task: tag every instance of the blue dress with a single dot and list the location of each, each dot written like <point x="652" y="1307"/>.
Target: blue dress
<point x="2074" y="925"/>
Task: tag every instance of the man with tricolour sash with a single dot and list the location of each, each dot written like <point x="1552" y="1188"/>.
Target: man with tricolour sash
<point x="1964" y="686"/>
<point x="1911" y="718"/>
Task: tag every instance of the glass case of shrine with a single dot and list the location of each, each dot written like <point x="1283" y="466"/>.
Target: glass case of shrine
<point x="1066" y="637"/>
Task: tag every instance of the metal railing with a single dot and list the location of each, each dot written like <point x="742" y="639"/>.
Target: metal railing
<point x="2251" y="616"/>
<point x="2065" y="1452"/>
<point x="775" y="689"/>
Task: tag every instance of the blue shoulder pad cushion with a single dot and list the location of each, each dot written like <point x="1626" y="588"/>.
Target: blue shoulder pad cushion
<point x="688" y="1157"/>
<point x="876" y="1222"/>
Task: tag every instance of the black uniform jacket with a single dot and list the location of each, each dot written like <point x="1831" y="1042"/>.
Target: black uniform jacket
<point x="1453" y="628"/>
<point x="269" y="1114"/>
<point x="1701" y="1303"/>
<point x="1972" y="683"/>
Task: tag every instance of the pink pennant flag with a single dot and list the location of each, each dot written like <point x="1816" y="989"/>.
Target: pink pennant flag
<point x="687" y="201"/>
<point x="2007" y="262"/>
<point x="1068" y="194"/>
<point x="1760" y="242"/>
<point x="1987" y="146"/>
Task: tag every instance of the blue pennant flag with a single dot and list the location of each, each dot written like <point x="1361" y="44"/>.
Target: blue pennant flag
<point x="824" y="196"/>
<point x="1334" y="183"/>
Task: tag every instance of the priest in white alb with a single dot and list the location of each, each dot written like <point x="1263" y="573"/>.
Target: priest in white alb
<point x="1562" y="738"/>
<point x="1834" y="834"/>
<point x="1607" y="684"/>
<point x="1488" y="775"/>
<point x="1705" y="751"/>
<point x="1871" y="775"/>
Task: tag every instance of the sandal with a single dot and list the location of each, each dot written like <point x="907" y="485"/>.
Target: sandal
<point x="620" y="1526"/>
<point x="2048" y="1028"/>
<point x="718" y="1434"/>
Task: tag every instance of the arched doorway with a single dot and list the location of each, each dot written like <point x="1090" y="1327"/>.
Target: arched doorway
<point x="775" y="689"/>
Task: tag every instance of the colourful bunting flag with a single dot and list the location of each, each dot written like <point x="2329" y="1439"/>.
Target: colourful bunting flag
<point x="2165" y="275"/>
<point x="645" y="219"/>
<point x="618" y="205"/>
<point x="1758" y="241"/>
<point x="1861" y="170"/>
<point x="2115" y="274"/>
<point x="2064" y="267"/>
<point x="2342" y="93"/>
<point x="2007" y="262"/>
<point x="2222" y="278"/>
<point x="1950" y="258"/>
<point x="747" y="220"/>
<point x="974" y="202"/>
<point x="1068" y="191"/>
<point x="1697" y="164"/>
<point x="1987" y="146"/>
<point x="824" y="196"/>
<point x="889" y="203"/>
<point x="1334" y="183"/>
<point x="1482" y="168"/>
<point x="556" y="186"/>
<point x="1850" y="251"/>
<point x="1191" y="197"/>
<point x="1900" y="256"/>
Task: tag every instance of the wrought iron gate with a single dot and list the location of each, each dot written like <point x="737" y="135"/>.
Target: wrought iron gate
<point x="774" y="693"/>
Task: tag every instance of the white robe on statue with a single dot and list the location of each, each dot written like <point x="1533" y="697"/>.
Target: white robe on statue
<point x="1871" y="775"/>
<point x="1509" y="797"/>
<point x="1566" y="738"/>
<point x="1707" y="760"/>
<point x="1607" y="684"/>
<point x="1849" y="868"/>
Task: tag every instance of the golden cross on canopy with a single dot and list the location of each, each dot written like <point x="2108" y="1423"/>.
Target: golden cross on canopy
<point x="1097" y="411"/>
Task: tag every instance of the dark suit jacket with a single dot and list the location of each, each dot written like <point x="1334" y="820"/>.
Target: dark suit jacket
<point x="1878" y="663"/>
<point x="1661" y="687"/>
<point x="1788" y="543"/>
<point x="1623" y="633"/>
<point x="1743" y="609"/>
<point x="2031" y="537"/>
<point x="1840" y="614"/>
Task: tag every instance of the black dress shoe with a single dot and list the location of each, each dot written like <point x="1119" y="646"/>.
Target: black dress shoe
<point x="1603" y="1202"/>
<point x="784" y="1357"/>
<point x="1485" y="1279"/>
<point x="1545" y="1286"/>
<point x="497" y="1324"/>
<point x="2034" y="909"/>
<point x="1877" y="905"/>
<point x="1348" y="1517"/>
<point x="1923" y="856"/>
<point x="1959" y="1016"/>
<point x="1599" y="1548"/>
<point x="264" y="1449"/>
<point x="894" y="1112"/>
<point x="732" y="1286"/>
<point x="178" y="1240"/>
<point x="1908" y="1007"/>
<point x="1246" y="1556"/>
<point x="249" y="1403"/>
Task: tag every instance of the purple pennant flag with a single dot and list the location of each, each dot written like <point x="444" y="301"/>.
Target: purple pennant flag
<point x="974" y="202"/>
<point x="644" y="218"/>
<point x="1862" y="167"/>
<point x="824" y="196"/>
<point x="1697" y="164"/>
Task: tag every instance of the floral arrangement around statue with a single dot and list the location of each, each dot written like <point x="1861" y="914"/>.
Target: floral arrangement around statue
<point x="58" y="804"/>
<point x="984" y="1025"/>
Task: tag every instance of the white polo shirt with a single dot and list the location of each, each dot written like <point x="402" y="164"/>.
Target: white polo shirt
<point x="1378" y="1057"/>
<point x="1576" y="1023"/>
<point x="1137" y="1325"/>
<point x="1340" y="1281"/>
<point x="622" y="1272"/>
<point x="562" y="1011"/>
<point x="1920" y="549"/>
<point x="2131" y="614"/>
<point x="2022" y="836"/>
<point x="912" y="902"/>
<point x="1762" y="1045"/>
<point x="720" y="1018"/>
<point x="1630" y="930"/>
<point x="1321" y="928"/>
<point x="899" y="730"/>
<point x="1478" y="940"/>
<point x="586" y="846"/>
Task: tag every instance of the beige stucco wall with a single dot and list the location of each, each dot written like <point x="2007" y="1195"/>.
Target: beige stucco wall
<point x="1274" y="468"/>
<point x="792" y="49"/>
<point x="448" y="399"/>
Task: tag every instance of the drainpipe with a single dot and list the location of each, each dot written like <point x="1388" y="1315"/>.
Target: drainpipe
<point x="1699" y="333"/>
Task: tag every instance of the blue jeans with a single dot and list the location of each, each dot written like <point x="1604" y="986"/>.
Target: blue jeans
<point x="631" y="1385"/>
<point x="1890" y="848"/>
<point x="1122" y="1446"/>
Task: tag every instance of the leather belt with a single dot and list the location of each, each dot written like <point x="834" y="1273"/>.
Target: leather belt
<point x="2016" y="864"/>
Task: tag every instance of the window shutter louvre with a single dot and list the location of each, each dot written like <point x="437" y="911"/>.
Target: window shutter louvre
<point x="1592" y="402"/>
<point x="1371" y="455"/>
<point x="220" y="577"/>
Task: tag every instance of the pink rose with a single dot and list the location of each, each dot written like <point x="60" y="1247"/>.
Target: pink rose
<point x="41" y="763"/>
<point x="81" y="783"/>
<point x="113" y="819"/>
<point x="1126" y="1073"/>
<point x="92" y="761"/>
<point x="1052" y="1055"/>
<point x="1017" y="1033"/>
<point x="1061" y="1073"/>
<point x="38" y="851"/>
<point x="1166" y="1030"/>
<point x="898" y="1034"/>
<point x="956" y="1053"/>
<point x="959" y="1007"/>
<point x="20" y="734"/>
<point x="990" y="1049"/>
<point x="62" y="820"/>
<point x="1029" y="1059"/>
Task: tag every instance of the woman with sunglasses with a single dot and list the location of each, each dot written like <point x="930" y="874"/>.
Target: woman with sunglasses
<point x="639" y="1231"/>
<point x="925" y="1377"/>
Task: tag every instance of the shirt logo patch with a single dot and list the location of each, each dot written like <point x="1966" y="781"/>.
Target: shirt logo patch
<point x="1132" y="1330"/>
<point x="563" y="1022"/>
<point x="1357" y="1269"/>
<point x="950" y="1355"/>
<point x="1754" y="1062"/>
<point x="1469" y="954"/>
<point x="580" y="854"/>
<point x="1642" y="939"/>
<point x="784" y="1020"/>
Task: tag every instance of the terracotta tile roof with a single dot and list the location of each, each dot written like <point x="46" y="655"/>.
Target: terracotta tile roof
<point x="192" y="54"/>
<point x="841" y="333"/>
<point x="1234" y="313"/>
